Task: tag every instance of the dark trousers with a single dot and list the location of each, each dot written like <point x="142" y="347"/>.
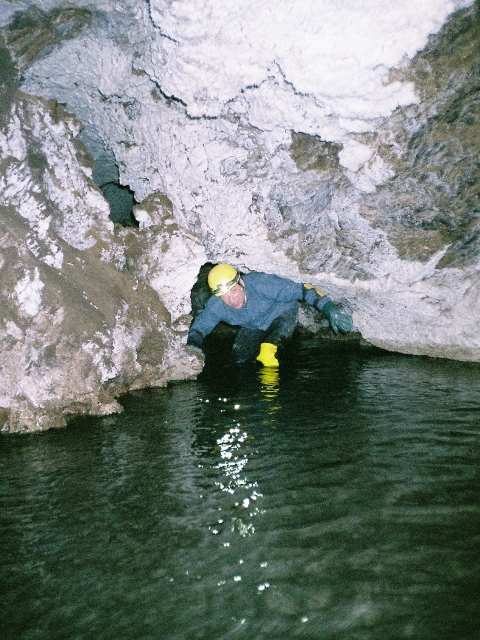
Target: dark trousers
<point x="247" y="343"/>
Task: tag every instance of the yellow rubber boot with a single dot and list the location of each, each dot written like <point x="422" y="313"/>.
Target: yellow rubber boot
<point x="267" y="354"/>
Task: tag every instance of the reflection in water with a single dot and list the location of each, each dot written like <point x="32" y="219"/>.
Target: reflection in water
<point x="232" y="453"/>
<point x="269" y="386"/>
<point x="335" y="497"/>
<point x="232" y="465"/>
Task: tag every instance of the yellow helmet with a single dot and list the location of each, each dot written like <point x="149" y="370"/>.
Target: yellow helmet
<point x="222" y="278"/>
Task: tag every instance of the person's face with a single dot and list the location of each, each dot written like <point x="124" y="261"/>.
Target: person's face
<point x="236" y="296"/>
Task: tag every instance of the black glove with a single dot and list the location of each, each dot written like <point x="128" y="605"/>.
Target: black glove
<point x="339" y="320"/>
<point x="194" y="339"/>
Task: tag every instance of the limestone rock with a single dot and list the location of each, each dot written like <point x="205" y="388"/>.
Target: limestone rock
<point x="75" y="331"/>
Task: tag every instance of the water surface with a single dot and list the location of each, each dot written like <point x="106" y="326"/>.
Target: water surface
<point x="337" y="500"/>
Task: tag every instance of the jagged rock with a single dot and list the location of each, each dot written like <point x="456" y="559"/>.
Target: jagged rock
<point x="75" y="331"/>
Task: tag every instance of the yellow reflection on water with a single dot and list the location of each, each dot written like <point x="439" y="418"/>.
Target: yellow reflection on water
<point x="269" y="387"/>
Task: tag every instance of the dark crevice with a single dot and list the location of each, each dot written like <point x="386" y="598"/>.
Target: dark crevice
<point x="121" y="200"/>
<point x="106" y="176"/>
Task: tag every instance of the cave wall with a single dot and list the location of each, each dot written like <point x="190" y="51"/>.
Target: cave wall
<point x="337" y="146"/>
<point x="79" y="322"/>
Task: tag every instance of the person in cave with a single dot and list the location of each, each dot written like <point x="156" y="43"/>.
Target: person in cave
<point x="264" y="306"/>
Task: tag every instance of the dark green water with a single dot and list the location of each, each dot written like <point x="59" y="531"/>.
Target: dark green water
<point x="340" y="501"/>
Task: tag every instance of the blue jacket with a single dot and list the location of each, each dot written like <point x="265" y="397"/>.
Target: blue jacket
<point x="267" y="297"/>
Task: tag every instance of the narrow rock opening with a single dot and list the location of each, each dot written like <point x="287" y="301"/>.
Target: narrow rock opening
<point x="200" y="290"/>
<point x="106" y="175"/>
<point x="312" y="326"/>
<point x="121" y="200"/>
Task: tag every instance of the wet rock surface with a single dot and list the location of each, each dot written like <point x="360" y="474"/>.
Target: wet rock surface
<point x="75" y="331"/>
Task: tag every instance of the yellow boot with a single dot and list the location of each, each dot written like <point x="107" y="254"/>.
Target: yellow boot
<point x="267" y="354"/>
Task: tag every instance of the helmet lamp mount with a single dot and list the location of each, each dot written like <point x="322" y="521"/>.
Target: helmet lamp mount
<point x="222" y="278"/>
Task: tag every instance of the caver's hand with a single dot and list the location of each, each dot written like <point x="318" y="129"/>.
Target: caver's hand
<point x="339" y="320"/>
<point x="194" y="340"/>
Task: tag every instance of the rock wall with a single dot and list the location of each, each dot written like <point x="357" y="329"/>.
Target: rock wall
<point x="79" y="322"/>
<point x="336" y="145"/>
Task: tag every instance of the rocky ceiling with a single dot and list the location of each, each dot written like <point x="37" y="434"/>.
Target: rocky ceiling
<point x="139" y="140"/>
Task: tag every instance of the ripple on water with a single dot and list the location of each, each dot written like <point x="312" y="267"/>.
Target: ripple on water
<point x="338" y="499"/>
